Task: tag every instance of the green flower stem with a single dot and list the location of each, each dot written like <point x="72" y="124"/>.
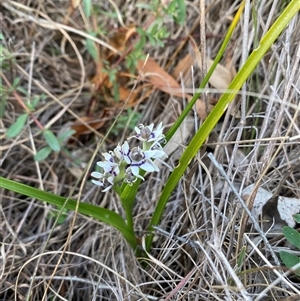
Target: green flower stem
<point x="127" y="197"/>
<point x="101" y="214"/>
<point x="219" y="109"/>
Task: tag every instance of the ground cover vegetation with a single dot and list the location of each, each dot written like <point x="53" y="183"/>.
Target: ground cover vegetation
<point x="150" y="150"/>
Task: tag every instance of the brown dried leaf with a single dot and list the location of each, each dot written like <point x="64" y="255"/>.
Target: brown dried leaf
<point x="184" y="66"/>
<point x="200" y="109"/>
<point x="117" y="40"/>
<point x="163" y="81"/>
<point x="125" y="94"/>
<point x="158" y="77"/>
<point x="131" y="31"/>
<point x="230" y="66"/>
<point x="75" y="3"/>
<point x="81" y="129"/>
<point x="221" y="77"/>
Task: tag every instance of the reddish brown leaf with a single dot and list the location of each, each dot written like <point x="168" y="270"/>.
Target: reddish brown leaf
<point x="158" y="77"/>
<point x="82" y="129"/>
<point x="162" y="80"/>
<point x="127" y="95"/>
<point x="183" y="66"/>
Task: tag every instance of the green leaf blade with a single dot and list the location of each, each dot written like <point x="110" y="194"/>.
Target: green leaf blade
<point x="292" y="236"/>
<point x="87" y="7"/>
<point x="16" y="128"/>
<point x="290" y="260"/>
<point x="297" y="218"/>
<point x="65" y="135"/>
<point x="42" y="154"/>
<point x="51" y="140"/>
<point x="181" y="14"/>
<point x="101" y="214"/>
<point x="91" y="47"/>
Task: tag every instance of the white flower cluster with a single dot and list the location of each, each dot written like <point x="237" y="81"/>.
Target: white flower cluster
<point x="124" y="163"/>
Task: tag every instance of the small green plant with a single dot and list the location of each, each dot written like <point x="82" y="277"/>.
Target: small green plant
<point x="53" y="143"/>
<point x="16" y="128"/>
<point x="155" y="32"/>
<point x="293" y="237"/>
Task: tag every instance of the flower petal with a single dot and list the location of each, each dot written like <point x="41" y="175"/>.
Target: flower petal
<point x="98" y="183"/>
<point x="97" y="174"/>
<point x="154" y="153"/>
<point x="135" y="170"/>
<point x="149" y="166"/>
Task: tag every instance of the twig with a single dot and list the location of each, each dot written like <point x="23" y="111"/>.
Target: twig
<point x="253" y="219"/>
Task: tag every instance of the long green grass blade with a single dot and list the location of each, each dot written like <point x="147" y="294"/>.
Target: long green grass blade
<point x="219" y="109"/>
<point x="101" y="214"/>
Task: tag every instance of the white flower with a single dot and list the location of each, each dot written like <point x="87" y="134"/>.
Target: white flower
<point x="118" y="152"/>
<point x="124" y="164"/>
<point x="147" y="134"/>
<point x="110" y="172"/>
<point x="109" y="167"/>
<point x="139" y="159"/>
<point x="109" y="162"/>
<point x="130" y="177"/>
<point x="104" y="180"/>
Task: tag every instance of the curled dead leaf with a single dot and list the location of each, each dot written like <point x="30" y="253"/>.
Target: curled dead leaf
<point x="184" y="67"/>
<point x="221" y="77"/>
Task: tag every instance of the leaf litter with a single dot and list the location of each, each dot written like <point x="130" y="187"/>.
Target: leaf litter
<point x="99" y="261"/>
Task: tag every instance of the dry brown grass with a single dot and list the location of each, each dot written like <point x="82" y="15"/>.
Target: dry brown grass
<point x="195" y="253"/>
